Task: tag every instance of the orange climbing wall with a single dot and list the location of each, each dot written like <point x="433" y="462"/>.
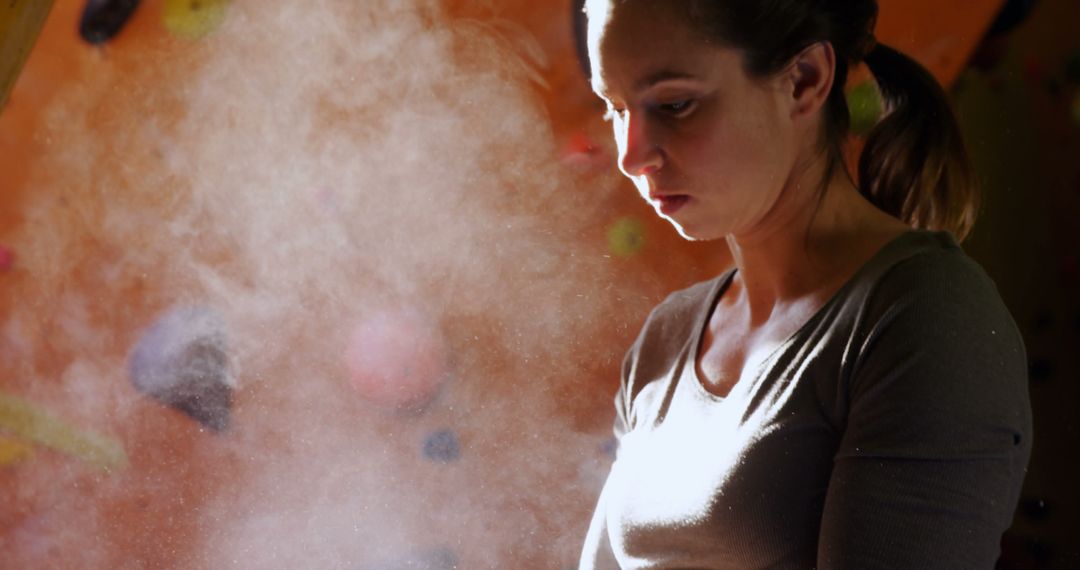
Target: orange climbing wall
<point x="534" y="267"/>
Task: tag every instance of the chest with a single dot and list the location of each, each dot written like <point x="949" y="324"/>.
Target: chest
<point x="730" y="350"/>
<point x="701" y="483"/>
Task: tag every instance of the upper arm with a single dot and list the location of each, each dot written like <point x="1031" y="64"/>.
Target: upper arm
<point x="929" y="467"/>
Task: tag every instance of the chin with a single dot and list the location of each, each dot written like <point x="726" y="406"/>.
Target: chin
<point x="690" y="233"/>
<point x="696" y="225"/>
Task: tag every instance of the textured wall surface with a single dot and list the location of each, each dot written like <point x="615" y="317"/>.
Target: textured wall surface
<point x="346" y="284"/>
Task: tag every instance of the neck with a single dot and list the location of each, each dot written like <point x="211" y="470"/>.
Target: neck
<point x="799" y="249"/>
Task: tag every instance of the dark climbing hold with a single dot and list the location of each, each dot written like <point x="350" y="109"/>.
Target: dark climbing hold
<point x="103" y="19"/>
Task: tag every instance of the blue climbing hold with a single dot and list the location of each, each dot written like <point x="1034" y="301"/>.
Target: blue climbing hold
<point x="442" y="446"/>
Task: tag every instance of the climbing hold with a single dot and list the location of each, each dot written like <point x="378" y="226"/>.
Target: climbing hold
<point x="194" y="18"/>
<point x="28" y="422"/>
<point x="626" y="237"/>
<point x="442" y="446"/>
<point x="396" y="359"/>
<point x="864" y="107"/>
<point x="103" y="19"/>
<point x="7" y="259"/>
<point x="181" y="361"/>
<point x="437" y="558"/>
<point x="12" y="451"/>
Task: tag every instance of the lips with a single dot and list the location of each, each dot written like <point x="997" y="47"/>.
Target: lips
<point x="668" y="204"/>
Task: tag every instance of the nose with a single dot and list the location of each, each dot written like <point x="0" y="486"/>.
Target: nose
<point x="639" y="153"/>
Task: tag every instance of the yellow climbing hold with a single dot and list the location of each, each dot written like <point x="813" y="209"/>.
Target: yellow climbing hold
<point x="626" y="237"/>
<point x="194" y="18"/>
<point x="20" y="24"/>
<point x="865" y="107"/>
<point x="24" y="420"/>
<point x="12" y="451"/>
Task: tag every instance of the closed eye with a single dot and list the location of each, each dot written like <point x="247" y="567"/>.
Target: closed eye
<point x="677" y="108"/>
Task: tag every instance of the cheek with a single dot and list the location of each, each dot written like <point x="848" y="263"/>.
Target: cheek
<point x="724" y="154"/>
<point x="737" y="163"/>
<point x="753" y="149"/>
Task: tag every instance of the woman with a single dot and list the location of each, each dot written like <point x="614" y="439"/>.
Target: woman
<point x="853" y="392"/>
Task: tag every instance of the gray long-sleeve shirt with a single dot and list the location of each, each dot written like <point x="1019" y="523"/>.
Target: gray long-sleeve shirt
<point x="892" y="430"/>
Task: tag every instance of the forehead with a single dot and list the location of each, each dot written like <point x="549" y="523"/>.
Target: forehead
<point x="632" y="42"/>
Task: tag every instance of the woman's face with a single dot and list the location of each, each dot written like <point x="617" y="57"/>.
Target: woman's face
<point x="710" y="148"/>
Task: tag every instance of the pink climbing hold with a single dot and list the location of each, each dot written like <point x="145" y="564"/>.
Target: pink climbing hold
<point x="396" y="359"/>
<point x="7" y="258"/>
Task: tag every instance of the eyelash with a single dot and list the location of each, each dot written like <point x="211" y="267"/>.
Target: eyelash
<point x="677" y="110"/>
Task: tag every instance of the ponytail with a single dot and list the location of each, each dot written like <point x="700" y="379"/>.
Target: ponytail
<point x="914" y="165"/>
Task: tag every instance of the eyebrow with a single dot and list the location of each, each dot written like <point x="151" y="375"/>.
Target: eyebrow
<point x="650" y="80"/>
<point x="660" y="76"/>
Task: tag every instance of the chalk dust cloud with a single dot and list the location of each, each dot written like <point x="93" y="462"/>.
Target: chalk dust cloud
<point x="303" y="169"/>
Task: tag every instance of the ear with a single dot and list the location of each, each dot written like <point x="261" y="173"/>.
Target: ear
<point x="809" y="78"/>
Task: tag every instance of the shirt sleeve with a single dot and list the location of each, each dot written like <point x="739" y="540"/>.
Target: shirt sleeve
<point x="938" y="435"/>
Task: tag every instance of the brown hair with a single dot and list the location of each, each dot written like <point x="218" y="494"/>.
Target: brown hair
<point x="914" y="164"/>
